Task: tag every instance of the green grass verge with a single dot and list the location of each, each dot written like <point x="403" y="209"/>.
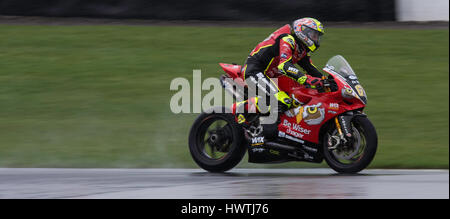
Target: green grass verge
<point x="98" y="96"/>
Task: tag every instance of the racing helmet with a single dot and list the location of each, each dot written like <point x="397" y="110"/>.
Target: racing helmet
<point x="308" y="31"/>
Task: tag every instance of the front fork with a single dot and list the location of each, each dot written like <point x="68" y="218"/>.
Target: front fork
<point x="343" y="122"/>
<point x="343" y="126"/>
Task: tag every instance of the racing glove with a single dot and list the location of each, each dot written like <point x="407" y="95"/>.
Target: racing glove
<point x="313" y="82"/>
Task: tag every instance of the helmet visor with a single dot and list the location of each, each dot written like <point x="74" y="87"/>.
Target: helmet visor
<point x="313" y="35"/>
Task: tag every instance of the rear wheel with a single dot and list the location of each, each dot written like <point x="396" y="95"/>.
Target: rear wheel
<point x="355" y="155"/>
<point x="216" y="141"/>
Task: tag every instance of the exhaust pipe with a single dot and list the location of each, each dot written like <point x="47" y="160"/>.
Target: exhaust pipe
<point x="274" y="145"/>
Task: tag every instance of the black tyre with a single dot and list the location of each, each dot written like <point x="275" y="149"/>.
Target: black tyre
<point x="216" y="141"/>
<point x="356" y="155"/>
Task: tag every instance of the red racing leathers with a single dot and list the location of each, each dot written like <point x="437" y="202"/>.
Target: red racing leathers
<point x="276" y="56"/>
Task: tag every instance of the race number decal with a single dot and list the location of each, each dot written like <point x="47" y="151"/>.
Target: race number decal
<point x="360" y="90"/>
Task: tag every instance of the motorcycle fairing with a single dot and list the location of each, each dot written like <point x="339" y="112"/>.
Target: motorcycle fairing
<point x="234" y="71"/>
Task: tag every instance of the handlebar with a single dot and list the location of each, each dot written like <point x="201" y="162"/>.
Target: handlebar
<point x="328" y="85"/>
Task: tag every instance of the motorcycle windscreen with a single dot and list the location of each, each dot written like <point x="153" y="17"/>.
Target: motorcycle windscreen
<point x="340" y="66"/>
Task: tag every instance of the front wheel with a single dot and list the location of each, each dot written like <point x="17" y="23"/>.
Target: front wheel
<point x="355" y="155"/>
<point x="216" y="141"/>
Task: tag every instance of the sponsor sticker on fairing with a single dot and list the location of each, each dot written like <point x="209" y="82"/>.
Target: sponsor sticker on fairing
<point x="292" y="138"/>
<point x="333" y="106"/>
<point x="257" y="141"/>
<point x="258" y="150"/>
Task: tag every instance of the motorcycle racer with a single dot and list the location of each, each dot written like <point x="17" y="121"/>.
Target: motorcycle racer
<point x="276" y="56"/>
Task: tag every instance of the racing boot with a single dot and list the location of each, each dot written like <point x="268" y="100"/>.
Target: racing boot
<point x="246" y="112"/>
<point x="284" y="103"/>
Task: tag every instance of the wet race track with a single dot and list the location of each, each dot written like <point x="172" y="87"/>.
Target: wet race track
<point x="236" y="184"/>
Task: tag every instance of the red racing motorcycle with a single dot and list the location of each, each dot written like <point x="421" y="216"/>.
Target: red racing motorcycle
<point x="327" y="124"/>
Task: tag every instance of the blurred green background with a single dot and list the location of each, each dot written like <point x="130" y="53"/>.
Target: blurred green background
<point x="98" y="96"/>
